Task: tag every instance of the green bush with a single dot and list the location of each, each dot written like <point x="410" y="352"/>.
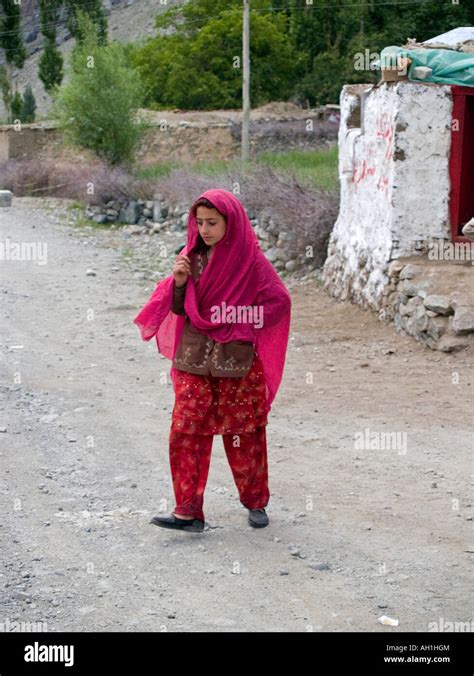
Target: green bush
<point x="97" y="107"/>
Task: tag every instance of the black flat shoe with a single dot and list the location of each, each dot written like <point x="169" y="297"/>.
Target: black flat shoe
<point x="189" y="525"/>
<point x="258" y="518"/>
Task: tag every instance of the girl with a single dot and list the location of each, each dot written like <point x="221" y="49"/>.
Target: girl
<point x="223" y="318"/>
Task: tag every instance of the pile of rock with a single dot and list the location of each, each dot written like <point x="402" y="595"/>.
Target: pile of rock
<point x="443" y="321"/>
<point x="142" y="217"/>
<point x="142" y="213"/>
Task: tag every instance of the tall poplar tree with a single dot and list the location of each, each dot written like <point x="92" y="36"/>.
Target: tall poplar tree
<point x="11" y="41"/>
<point x="50" y="70"/>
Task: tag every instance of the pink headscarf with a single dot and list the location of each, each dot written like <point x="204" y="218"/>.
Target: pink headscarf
<point x="238" y="274"/>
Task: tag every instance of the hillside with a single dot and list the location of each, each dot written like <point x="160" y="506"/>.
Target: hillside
<point x="128" y="21"/>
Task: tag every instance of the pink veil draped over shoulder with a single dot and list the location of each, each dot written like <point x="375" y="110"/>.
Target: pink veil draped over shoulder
<point x="238" y="274"/>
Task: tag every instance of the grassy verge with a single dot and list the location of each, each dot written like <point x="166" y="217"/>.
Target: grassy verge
<point x="82" y="221"/>
<point x="314" y="168"/>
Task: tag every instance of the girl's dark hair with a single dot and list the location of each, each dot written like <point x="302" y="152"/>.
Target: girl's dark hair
<point x="200" y="243"/>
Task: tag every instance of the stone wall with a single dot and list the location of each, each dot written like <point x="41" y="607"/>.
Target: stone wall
<point x="28" y="141"/>
<point x="192" y="136"/>
<point x="185" y="141"/>
<point x="431" y="301"/>
<point x="152" y="217"/>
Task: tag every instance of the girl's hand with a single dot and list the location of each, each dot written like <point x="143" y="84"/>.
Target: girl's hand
<point x="181" y="270"/>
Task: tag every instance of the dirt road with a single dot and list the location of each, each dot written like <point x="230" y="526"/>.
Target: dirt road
<point x="357" y="530"/>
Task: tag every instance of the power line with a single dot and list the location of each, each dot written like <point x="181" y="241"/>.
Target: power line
<point x="335" y="6"/>
<point x="46" y="25"/>
<point x="187" y="22"/>
<point x="194" y="22"/>
<point x="86" y="4"/>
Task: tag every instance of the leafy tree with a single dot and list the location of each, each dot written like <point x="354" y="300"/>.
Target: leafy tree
<point x="50" y="69"/>
<point x="97" y="107"/>
<point x="29" y="105"/>
<point x="421" y="20"/>
<point x="95" y="11"/>
<point x="23" y="107"/>
<point x="5" y="87"/>
<point x="16" y="107"/>
<point x="199" y="65"/>
<point x="332" y="34"/>
<point x="11" y="41"/>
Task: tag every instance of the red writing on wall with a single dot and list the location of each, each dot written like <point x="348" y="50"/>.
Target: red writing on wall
<point x="384" y="132"/>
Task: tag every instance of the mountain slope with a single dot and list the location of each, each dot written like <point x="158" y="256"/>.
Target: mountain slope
<point x="128" y="21"/>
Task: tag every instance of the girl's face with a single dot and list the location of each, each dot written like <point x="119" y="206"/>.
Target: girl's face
<point x="211" y="224"/>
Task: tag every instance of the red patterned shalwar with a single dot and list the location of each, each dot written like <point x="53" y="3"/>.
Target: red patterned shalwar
<point x="234" y="408"/>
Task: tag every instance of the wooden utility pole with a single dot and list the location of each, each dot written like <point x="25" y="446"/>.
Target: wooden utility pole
<point x="362" y="17"/>
<point x="246" y="81"/>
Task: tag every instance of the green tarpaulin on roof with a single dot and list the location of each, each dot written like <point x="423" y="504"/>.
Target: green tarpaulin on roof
<point x="448" y="66"/>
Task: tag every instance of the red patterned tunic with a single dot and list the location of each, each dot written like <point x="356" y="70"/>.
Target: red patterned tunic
<point x="219" y="405"/>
